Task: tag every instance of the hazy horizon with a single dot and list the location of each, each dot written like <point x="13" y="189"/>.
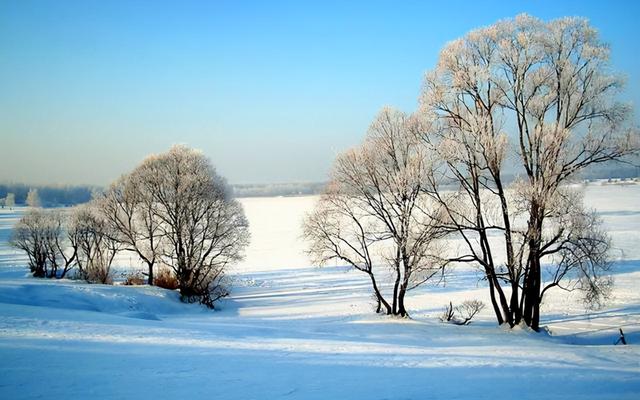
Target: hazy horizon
<point x="270" y="92"/>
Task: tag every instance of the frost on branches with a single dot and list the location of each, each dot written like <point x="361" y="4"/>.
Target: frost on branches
<point x="540" y="93"/>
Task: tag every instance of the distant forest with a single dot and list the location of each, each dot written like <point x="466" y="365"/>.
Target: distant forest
<point x="50" y="195"/>
<point x="65" y="196"/>
<point x="277" y="189"/>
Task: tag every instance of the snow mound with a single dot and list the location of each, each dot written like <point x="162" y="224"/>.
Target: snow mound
<point x="142" y="302"/>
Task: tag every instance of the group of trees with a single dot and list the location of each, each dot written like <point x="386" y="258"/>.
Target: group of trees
<point x="48" y="195"/>
<point x="32" y="199"/>
<point x="8" y="201"/>
<point x="538" y="94"/>
<point x="173" y="211"/>
<point x="277" y="189"/>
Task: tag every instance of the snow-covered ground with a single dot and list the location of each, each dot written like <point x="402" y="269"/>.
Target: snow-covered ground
<point x="291" y="330"/>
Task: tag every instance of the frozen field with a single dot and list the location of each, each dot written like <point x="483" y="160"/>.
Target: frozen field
<point x="294" y="331"/>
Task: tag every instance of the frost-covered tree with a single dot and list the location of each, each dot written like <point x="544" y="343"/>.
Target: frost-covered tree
<point x="372" y="216"/>
<point x="49" y="241"/>
<point x="33" y="199"/>
<point x="130" y="212"/>
<point x="30" y="235"/>
<point x="63" y="243"/>
<point x="10" y="200"/>
<point x="97" y="243"/>
<point x="540" y="93"/>
<point x="204" y="228"/>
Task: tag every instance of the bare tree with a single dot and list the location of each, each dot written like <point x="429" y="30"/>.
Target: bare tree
<point x="130" y="213"/>
<point x="48" y="242"/>
<point x="97" y="244"/>
<point x="30" y="235"/>
<point x="339" y="228"/>
<point x="448" y="313"/>
<point x="63" y="243"/>
<point x="578" y="250"/>
<point x="205" y="229"/>
<point x="372" y="211"/>
<point x="547" y="86"/>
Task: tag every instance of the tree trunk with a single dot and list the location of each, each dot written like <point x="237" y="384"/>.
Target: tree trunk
<point x="494" y="302"/>
<point x="530" y="304"/>
<point x="503" y="301"/>
<point x="380" y="300"/>
<point x="402" y="311"/>
<point x="514" y="305"/>
<point x="150" y="277"/>
<point x="396" y="286"/>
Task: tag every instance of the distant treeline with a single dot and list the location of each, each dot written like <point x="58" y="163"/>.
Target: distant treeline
<point x="50" y="195"/>
<point x="64" y="196"/>
<point x="277" y="189"/>
<point x="613" y="171"/>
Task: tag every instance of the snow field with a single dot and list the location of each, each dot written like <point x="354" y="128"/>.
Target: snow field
<point x="291" y="330"/>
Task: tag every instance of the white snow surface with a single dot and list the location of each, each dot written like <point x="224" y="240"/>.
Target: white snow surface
<point x="294" y="331"/>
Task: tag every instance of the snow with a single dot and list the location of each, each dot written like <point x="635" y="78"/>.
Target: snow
<point x="291" y="330"/>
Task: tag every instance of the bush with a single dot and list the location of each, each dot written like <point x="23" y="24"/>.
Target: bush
<point x="135" y="279"/>
<point x="95" y="273"/>
<point x="448" y="313"/>
<point x="462" y="314"/>
<point x="207" y="291"/>
<point x="165" y="278"/>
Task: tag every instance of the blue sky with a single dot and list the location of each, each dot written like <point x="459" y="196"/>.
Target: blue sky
<point x="271" y="91"/>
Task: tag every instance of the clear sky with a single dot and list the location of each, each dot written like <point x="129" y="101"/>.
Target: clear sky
<point x="271" y="91"/>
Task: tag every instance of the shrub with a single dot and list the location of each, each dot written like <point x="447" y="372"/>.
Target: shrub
<point x="135" y="279"/>
<point x="165" y="278"/>
<point x="447" y="313"/>
<point x="96" y="274"/>
<point x="462" y="314"/>
<point x="207" y="290"/>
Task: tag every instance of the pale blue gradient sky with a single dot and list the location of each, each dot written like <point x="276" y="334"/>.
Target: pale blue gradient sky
<point x="271" y="91"/>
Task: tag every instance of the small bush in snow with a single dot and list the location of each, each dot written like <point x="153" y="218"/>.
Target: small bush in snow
<point x="134" y="279"/>
<point x="448" y="313"/>
<point x="462" y="314"/>
<point x="165" y="278"/>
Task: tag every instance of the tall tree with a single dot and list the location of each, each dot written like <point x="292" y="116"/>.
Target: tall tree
<point x="204" y="228"/>
<point x="130" y="212"/>
<point x="372" y="215"/>
<point x="97" y="245"/>
<point x="546" y="86"/>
